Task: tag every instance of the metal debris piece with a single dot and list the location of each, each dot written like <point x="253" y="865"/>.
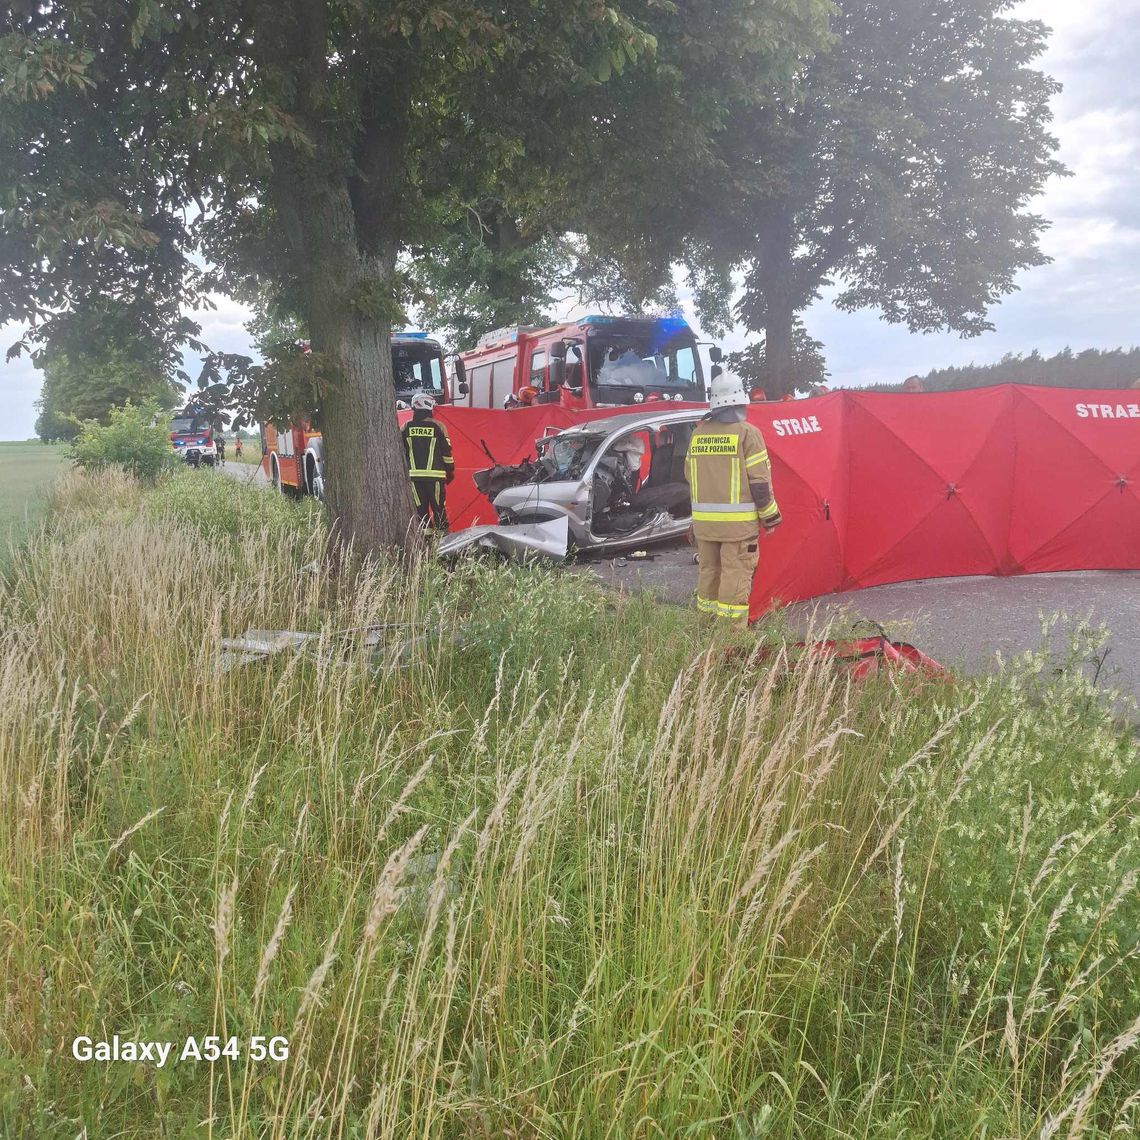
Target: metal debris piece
<point x="265" y="641"/>
<point x="545" y="539"/>
<point x="260" y="644"/>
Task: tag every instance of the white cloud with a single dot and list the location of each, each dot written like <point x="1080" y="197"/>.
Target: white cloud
<point x="1088" y="296"/>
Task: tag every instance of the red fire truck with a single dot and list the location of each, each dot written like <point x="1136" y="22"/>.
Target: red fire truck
<point x="294" y="456"/>
<point x="192" y="436"/>
<point x="595" y="362"/>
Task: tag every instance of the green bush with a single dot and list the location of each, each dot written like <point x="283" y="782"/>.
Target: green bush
<point x="137" y="440"/>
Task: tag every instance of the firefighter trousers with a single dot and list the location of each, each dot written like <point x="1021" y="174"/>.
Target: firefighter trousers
<point x="429" y="496"/>
<point x="725" y="580"/>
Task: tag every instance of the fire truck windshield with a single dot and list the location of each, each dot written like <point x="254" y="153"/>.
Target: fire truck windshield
<point x="634" y="361"/>
<point x="417" y="368"/>
<point x="184" y="425"/>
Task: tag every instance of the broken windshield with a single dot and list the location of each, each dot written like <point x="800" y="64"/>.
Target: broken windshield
<point x="634" y="361"/>
<point x="565" y="456"/>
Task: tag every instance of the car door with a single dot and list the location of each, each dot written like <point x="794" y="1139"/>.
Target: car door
<point x="655" y="510"/>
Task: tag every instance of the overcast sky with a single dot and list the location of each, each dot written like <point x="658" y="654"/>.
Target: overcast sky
<point x="1087" y="298"/>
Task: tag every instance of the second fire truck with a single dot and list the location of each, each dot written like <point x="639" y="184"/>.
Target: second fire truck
<point x="293" y="456"/>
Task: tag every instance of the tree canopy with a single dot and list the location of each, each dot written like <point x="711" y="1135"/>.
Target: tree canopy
<point x="899" y="170"/>
<point x="96" y="360"/>
<point x="153" y="150"/>
<point x="1091" y="368"/>
<point x="485" y="274"/>
<point x="896" y="163"/>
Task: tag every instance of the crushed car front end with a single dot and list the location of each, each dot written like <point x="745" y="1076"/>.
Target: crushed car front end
<point x="618" y="482"/>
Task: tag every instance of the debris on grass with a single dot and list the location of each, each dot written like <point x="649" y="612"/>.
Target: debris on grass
<point x="261" y="644"/>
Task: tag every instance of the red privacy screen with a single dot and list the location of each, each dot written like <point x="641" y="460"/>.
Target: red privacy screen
<point x="509" y="435"/>
<point x="879" y="487"/>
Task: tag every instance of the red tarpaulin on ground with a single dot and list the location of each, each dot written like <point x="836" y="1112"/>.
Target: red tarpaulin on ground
<point x="879" y="487"/>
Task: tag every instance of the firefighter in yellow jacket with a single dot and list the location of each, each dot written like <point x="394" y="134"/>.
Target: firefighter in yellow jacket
<point x="730" y="483"/>
<point x="430" y="464"/>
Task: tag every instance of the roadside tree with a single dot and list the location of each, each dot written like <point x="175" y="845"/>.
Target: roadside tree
<point x="164" y="149"/>
<point x="99" y="359"/>
<point x="806" y="368"/>
<point x="899" y="169"/>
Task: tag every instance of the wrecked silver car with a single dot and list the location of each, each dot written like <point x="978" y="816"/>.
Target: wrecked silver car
<point x="619" y="481"/>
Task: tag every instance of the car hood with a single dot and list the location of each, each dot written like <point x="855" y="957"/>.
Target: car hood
<point x="553" y="491"/>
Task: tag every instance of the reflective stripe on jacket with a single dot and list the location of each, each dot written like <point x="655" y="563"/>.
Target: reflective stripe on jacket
<point x="730" y="481"/>
<point x="428" y="448"/>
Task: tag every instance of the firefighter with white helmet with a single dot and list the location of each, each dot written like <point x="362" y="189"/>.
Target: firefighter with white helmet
<point x="430" y="463"/>
<point x="730" y="484"/>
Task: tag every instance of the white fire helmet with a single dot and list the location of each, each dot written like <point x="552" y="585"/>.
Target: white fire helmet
<point x="727" y="391"/>
<point x="422" y="402"/>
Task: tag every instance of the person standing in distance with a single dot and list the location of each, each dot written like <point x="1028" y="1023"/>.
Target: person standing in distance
<point x="730" y="484"/>
<point x="430" y="464"/>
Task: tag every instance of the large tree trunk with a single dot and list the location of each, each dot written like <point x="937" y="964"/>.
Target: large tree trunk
<point x="367" y="492"/>
<point x="779" y="347"/>
<point x="774" y="275"/>
<point x="341" y="214"/>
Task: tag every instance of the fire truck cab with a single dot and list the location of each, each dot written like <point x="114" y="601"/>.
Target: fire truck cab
<point x="293" y="456"/>
<point x="418" y="366"/>
<point x="597" y="361"/>
<point x="192" y="437"/>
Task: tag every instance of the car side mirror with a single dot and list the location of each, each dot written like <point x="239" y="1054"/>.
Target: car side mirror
<point x="715" y="354"/>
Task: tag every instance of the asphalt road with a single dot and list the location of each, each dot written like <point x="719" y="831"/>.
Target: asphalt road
<point x="963" y="622"/>
<point x="245" y="473"/>
<point x="969" y="623"/>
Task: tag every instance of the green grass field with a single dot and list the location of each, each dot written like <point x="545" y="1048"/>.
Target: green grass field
<point x="251" y="452"/>
<point x="534" y="861"/>
<point x="27" y="471"/>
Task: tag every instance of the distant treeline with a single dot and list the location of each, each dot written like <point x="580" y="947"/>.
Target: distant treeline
<point x="1093" y="368"/>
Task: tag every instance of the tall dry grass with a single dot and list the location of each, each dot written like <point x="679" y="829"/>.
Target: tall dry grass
<point x="539" y="864"/>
